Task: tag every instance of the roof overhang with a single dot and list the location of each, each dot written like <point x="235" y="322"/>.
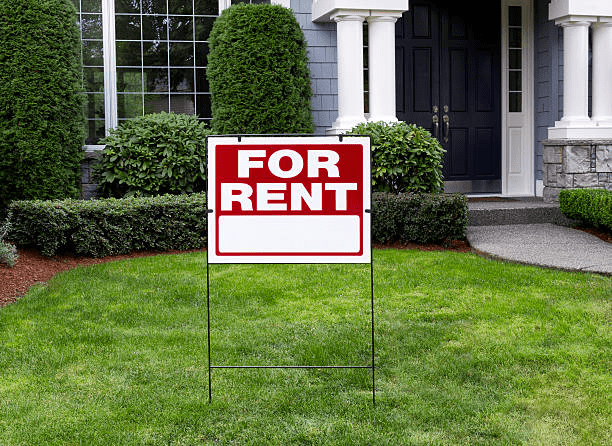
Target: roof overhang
<point x="560" y="9"/>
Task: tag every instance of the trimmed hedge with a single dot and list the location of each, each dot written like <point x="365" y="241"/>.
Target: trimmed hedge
<point x="405" y="157"/>
<point x="418" y="218"/>
<point x="42" y="124"/>
<point x="592" y="206"/>
<point x="99" y="228"/>
<point x="111" y="226"/>
<point x="159" y="153"/>
<point x="258" y="72"/>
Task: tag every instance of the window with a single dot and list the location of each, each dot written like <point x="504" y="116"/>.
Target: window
<point x="156" y="60"/>
<point x="90" y="20"/>
<point x="515" y="59"/>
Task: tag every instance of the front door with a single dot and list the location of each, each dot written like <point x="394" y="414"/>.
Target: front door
<point x="448" y="75"/>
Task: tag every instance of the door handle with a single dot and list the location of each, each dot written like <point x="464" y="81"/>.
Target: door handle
<point x="446" y="121"/>
<point x="436" y="123"/>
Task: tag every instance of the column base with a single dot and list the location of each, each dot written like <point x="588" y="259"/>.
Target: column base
<point x="343" y="125"/>
<point x="580" y="132"/>
<point x="605" y="122"/>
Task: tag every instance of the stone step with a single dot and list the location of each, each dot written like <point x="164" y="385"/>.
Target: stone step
<point x="513" y="211"/>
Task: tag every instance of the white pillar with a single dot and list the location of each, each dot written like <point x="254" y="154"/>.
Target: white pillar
<point x="350" y="72"/>
<point x="381" y="51"/>
<point x="575" y="73"/>
<point x="602" y="73"/>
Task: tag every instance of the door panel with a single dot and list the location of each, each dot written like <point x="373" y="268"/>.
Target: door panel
<point x="422" y="62"/>
<point x="417" y="65"/>
<point x="451" y="59"/>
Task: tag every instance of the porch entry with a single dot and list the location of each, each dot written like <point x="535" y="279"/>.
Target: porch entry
<point x="448" y="75"/>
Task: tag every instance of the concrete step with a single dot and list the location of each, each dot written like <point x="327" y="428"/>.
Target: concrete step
<point x="514" y="211"/>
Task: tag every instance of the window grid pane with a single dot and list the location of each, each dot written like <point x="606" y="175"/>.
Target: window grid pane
<point x="515" y="59"/>
<point x="89" y="13"/>
<point x="173" y="39"/>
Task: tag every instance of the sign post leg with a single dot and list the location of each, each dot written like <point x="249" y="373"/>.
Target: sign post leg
<point x="208" y="325"/>
<point x="373" y="355"/>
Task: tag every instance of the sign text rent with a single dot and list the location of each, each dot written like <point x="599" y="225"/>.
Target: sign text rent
<point x="283" y="196"/>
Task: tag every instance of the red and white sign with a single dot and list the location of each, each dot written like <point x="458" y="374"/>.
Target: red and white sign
<point x="289" y="199"/>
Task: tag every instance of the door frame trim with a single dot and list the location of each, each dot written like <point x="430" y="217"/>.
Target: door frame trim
<point x="525" y="119"/>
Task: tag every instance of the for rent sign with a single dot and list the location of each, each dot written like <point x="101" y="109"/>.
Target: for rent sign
<point x="289" y="199"/>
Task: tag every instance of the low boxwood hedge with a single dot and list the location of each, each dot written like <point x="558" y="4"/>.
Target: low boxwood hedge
<point x="591" y="206"/>
<point x="112" y="226"/>
<point x="417" y="217"/>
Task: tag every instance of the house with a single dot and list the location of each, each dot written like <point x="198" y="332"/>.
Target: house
<point x="519" y="92"/>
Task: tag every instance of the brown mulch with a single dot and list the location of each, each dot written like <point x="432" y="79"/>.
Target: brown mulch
<point x="605" y="236"/>
<point x="33" y="268"/>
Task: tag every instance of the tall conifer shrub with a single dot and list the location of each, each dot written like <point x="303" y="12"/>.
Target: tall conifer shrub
<point x="41" y="113"/>
<point x="258" y="72"/>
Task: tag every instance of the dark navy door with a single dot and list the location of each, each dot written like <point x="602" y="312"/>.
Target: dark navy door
<point x="448" y="74"/>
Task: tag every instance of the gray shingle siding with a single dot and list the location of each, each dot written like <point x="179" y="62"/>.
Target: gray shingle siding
<point x="548" y="78"/>
<point x="321" y="38"/>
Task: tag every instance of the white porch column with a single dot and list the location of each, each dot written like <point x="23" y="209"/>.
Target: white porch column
<point x="602" y="73"/>
<point x="576" y="16"/>
<point x="575" y="73"/>
<point x="350" y="72"/>
<point x="349" y="16"/>
<point x="381" y="52"/>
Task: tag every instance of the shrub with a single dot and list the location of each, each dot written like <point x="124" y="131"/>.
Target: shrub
<point x="99" y="228"/>
<point x="405" y="157"/>
<point x="258" y="72"/>
<point x="154" y="154"/>
<point x="41" y="112"/>
<point x="418" y="218"/>
<point x="8" y="251"/>
<point x="592" y="206"/>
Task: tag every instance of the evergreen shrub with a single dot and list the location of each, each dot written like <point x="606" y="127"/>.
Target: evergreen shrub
<point x="99" y="228"/>
<point x="154" y="154"/>
<point x="258" y="72"/>
<point x="405" y="157"/>
<point x="591" y="206"/>
<point x="8" y="251"/>
<point x="41" y="102"/>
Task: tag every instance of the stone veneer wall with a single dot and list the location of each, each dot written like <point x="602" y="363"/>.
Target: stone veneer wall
<point x="575" y="164"/>
<point x="89" y="189"/>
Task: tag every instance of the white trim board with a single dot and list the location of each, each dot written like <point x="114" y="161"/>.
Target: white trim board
<point x="518" y="148"/>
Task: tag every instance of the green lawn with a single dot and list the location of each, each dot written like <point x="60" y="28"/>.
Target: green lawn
<point x="469" y="352"/>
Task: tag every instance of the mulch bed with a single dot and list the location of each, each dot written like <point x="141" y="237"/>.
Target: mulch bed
<point x="605" y="236"/>
<point x="33" y="268"/>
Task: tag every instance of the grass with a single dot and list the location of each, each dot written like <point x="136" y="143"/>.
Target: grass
<point x="469" y="352"/>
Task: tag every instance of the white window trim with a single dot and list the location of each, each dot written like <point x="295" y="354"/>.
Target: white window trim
<point x="224" y="4"/>
<point x="110" y="65"/>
